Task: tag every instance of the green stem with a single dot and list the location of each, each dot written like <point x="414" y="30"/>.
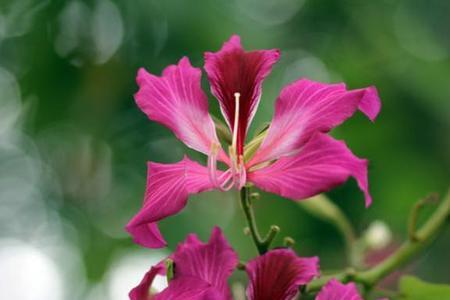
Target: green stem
<point x="262" y="245"/>
<point x="424" y="236"/>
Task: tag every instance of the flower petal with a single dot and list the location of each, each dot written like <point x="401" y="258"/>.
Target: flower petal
<point x="190" y="288"/>
<point x="334" y="290"/>
<point x="142" y="290"/>
<point x="305" y="107"/>
<point x="202" y="269"/>
<point x="168" y="188"/>
<point x="233" y="70"/>
<point x="177" y="101"/>
<point x="278" y="274"/>
<point x="322" y="164"/>
<point x="213" y="262"/>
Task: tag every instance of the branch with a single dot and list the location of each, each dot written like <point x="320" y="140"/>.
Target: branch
<point x="423" y="237"/>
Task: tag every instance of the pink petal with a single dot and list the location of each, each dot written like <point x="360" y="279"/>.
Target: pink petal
<point x="189" y="288"/>
<point x="142" y="290"/>
<point x="168" y="188"/>
<point x="177" y="101"/>
<point x="202" y="269"/>
<point x="305" y="107"/>
<point x="233" y="70"/>
<point x="322" y="164"/>
<point x="334" y="290"/>
<point x="278" y="274"/>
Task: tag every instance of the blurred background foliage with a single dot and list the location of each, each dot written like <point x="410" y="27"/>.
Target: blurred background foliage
<point x="74" y="146"/>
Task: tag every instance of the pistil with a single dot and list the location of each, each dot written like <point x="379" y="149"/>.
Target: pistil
<point x="236" y="120"/>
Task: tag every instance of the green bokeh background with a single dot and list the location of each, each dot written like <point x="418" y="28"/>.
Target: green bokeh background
<point x="75" y="64"/>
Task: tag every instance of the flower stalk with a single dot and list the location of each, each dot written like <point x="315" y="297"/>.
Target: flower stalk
<point x="262" y="244"/>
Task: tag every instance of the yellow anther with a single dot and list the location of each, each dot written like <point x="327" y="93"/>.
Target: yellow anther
<point x="215" y="147"/>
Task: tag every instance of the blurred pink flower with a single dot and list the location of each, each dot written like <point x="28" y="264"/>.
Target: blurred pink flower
<point x="201" y="271"/>
<point x="334" y="290"/>
<point x="296" y="159"/>
<point x="278" y="274"/>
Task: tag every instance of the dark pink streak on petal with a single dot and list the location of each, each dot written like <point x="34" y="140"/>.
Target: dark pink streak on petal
<point x="233" y="70"/>
<point x="334" y="290"/>
<point x="142" y="290"/>
<point x="321" y="164"/>
<point x="202" y="269"/>
<point x="177" y="101"/>
<point x="306" y="107"/>
<point x="278" y="274"/>
<point x="168" y="188"/>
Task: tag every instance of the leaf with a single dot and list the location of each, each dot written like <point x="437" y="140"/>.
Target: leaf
<point x="412" y="288"/>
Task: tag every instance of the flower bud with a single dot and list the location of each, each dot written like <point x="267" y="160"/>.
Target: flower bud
<point x="378" y="235"/>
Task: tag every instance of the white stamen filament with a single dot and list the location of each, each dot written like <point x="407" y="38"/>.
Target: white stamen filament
<point x="212" y="164"/>
<point x="227" y="179"/>
<point x="236" y="120"/>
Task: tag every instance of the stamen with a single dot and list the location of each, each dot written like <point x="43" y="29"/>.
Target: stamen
<point x="242" y="175"/>
<point x="227" y="179"/>
<point x="229" y="182"/>
<point x="212" y="164"/>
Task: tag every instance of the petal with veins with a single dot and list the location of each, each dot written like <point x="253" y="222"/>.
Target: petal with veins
<point x="142" y="290"/>
<point x="321" y="164"/>
<point x="177" y="101"/>
<point x="168" y="188"/>
<point x="202" y="269"/>
<point x="233" y="70"/>
<point x="278" y="274"/>
<point x="334" y="290"/>
<point x="305" y="107"/>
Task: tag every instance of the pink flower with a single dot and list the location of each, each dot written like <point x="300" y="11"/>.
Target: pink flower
<point x="201" y="271"/>
<point x="296" y="159"/>
<point x="334" y="290"/>
<point x="278" y="275"/>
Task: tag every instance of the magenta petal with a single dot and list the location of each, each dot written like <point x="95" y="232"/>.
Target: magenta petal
<point x="334" y="290"/>
<point x="212" y="262"/>
<point x="142" y="290"/>
<point x="168" y="188"/>
<point x="278" y="274"/>
<point x="190" y="288"/>
<point x="177" y="101"/>
<point x="322" y="164"/>
<point x="233" y="70"/>
<point x="305" y="107"/>
<point x="202" y="269"/>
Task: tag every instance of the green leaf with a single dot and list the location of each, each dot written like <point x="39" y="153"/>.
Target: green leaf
<point x="412" y="288"/>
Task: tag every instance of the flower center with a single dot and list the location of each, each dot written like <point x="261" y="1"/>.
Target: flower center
<point x="235" y="175"/>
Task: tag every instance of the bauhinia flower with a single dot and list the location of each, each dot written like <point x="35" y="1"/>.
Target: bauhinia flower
<point x="294" y="157"/>
<point x="201" y="272"/>
<point x="334" y="290"/>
